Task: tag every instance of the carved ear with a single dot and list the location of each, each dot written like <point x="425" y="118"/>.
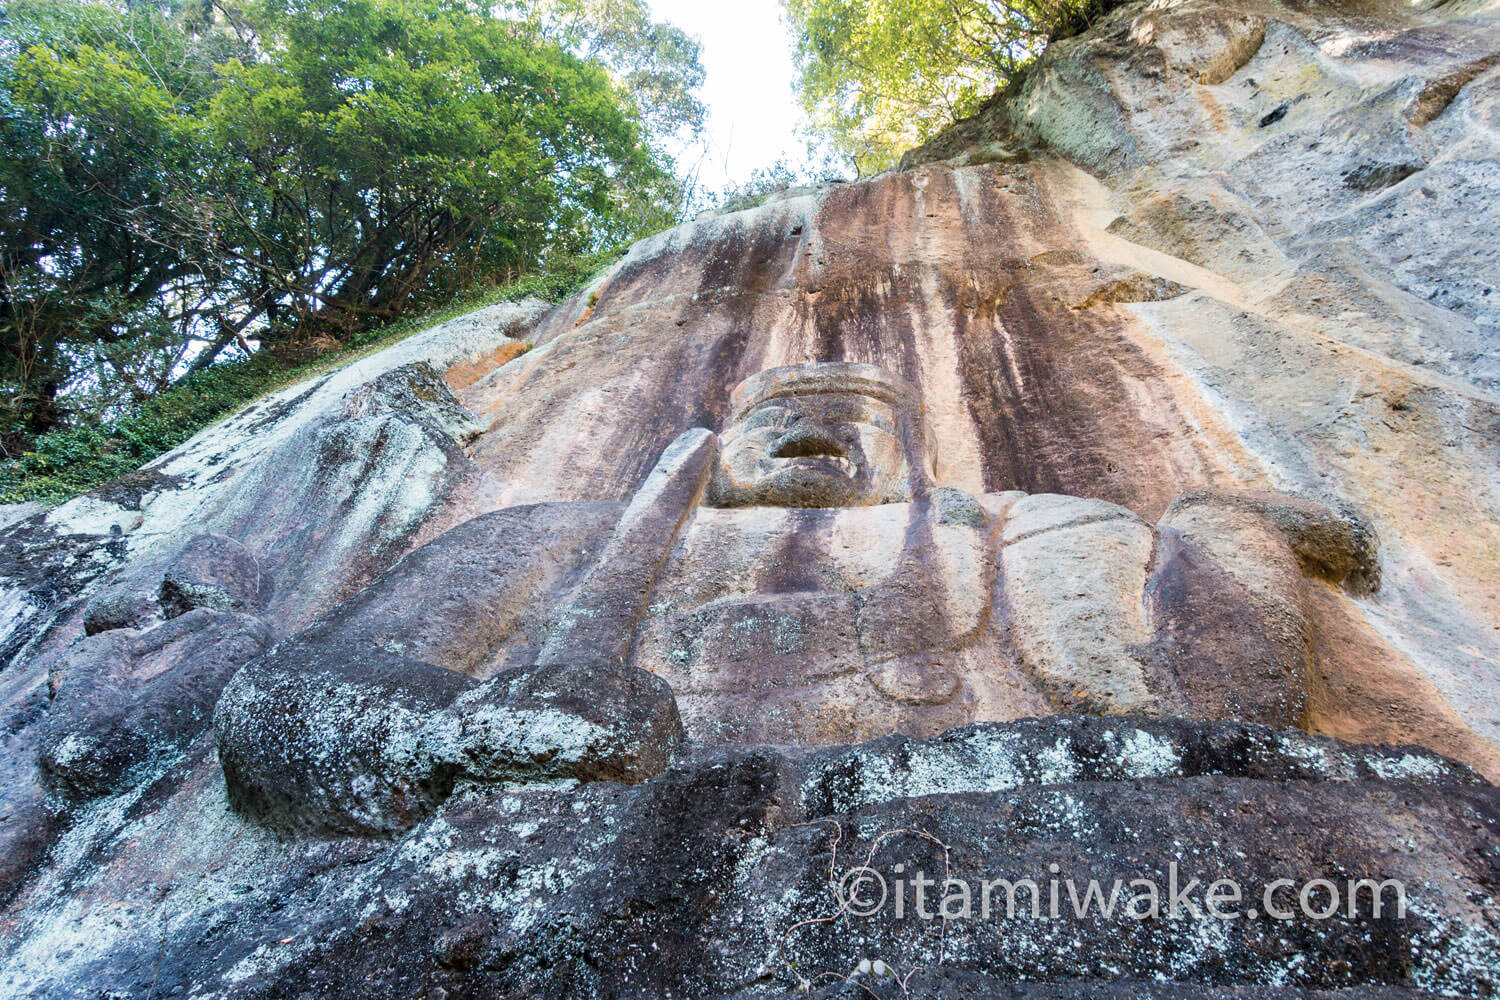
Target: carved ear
<point x="718" y="487"/>
<point x="722" y="489"/>
<point x="920" y="447"/>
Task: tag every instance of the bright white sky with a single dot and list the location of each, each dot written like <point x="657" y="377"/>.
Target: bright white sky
<point x="753" y="113"/>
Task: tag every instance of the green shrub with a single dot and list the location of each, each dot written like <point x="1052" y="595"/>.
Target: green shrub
<point x="68" y="462"/>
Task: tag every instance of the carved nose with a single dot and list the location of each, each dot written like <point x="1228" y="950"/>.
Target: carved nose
<point x="809" y="441"/>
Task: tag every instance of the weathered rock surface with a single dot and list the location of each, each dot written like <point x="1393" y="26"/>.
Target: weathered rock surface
<point x="533" y="666"/>
<point x="713" y="879"/>
<point x="1292" y="170"/>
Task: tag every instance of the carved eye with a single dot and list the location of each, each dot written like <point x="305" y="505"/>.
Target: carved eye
<point x="767" y="416"/>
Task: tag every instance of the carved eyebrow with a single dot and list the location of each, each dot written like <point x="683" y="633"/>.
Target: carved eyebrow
<point x="855" y="410"/>
<point x="765" y="413"/>
<point x="808" y="391"/>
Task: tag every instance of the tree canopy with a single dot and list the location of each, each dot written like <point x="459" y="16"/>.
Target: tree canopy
<point x="879" y="77"/>
<point x="179" y="176"/>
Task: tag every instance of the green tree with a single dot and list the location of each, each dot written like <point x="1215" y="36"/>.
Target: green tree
<point x="879" y="77"/>
<point x="180" y="176"/>
<point x="99" y="154"/>
<point x="403" y="148"/>
<point x="655" y="63"/>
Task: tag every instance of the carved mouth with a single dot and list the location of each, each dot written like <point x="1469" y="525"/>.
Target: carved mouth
<point x="815" y="444"/>
<point x="813" y="450"/>
<point x="820" y="465"/>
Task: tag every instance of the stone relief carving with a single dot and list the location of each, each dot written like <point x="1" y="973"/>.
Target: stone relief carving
<point x="797" y="579"/>
<point x="824" y="435"/>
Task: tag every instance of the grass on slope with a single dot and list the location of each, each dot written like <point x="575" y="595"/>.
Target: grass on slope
<point x="68" y="462"/>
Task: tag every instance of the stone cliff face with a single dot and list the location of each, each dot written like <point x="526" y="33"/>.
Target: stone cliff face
<point x="1202" y="249"/>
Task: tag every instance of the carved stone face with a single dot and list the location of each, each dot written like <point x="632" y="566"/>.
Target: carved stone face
<point x="829" y="435"/>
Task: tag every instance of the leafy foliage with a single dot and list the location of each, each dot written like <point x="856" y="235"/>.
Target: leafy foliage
<point x="405" y="145"/>
<point x="879" y="77"/>
<point x="766" y="182"/>
<point x="656" y="64"/>
<point x="183" y="177"/>
<point x="93" y="143"/>
<point x="69" y="461"/>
